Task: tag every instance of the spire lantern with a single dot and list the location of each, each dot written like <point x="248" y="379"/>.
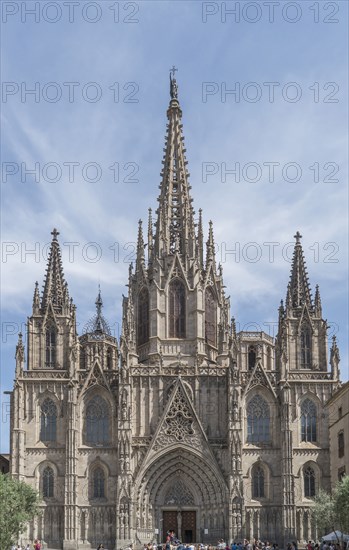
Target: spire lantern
<point x="98" y="324"/>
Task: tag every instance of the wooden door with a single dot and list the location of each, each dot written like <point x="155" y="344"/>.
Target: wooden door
<point x="188" y="526"/>
<point x="169" y="522"/>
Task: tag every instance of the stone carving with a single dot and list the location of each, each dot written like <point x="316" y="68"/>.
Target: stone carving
<point x="179" y="495"/>
<point x="178" y="424"/>
<point x="179" y="420"/>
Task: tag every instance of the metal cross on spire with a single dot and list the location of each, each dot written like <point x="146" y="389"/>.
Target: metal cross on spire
<point x="298" y="237"/>
<point x="55" y="234"/>
<point x="173" y="83"/>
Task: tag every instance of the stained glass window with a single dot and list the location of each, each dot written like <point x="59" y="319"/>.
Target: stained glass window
<point x="48" y="421"/>
<point x="98" y="483"/>
<point x="251" y="357"/>
<point x="258" y="420"/>
<point x="308" y="421"/>
<point x="97" y="421"/>
<point x="51" y="344"/>
<point x="48" y="482"/>
<point x="309" y="482"/>
<point x="306" y="348"/>
<point x="258" y="482"/>
<point x="177" y="309"/>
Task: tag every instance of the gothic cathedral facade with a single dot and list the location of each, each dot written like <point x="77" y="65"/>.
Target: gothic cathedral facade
<point x="184" y="423"/>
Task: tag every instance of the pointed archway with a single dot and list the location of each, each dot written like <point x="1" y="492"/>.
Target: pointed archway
<point x="180" y="475"/>
<point x="180" y="481"/>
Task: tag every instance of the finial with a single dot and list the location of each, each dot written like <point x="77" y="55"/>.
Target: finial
<point x="99" y="301"/>
<point x="99" y="304"/>
<point x="173" y="83"/>
<point x="55" y="234"/>
<point x="298" y="237"/>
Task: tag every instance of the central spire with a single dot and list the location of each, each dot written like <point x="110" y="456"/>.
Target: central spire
<point x="175" y="229"/>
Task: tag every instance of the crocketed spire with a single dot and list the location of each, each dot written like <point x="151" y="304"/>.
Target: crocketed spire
<point x="55" y="288"/>
<point x="175" y="216"/>
<point x="298" y="291"/>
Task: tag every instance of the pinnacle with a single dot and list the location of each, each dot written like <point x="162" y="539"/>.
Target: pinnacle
<point x="55" y="287"/>
<point x="298" y="290"/>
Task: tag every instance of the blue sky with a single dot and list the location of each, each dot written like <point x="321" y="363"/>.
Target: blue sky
<point x="305" y="126"/>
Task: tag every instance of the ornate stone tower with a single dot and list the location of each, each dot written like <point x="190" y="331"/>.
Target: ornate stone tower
<point x="63" y="430"/>
<point x="191" y="426"/>
<point x="174" y="354"/>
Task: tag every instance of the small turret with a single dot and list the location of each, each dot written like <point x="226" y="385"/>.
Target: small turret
<point x="200" y="241"/>
<point x="36" y="300"/>
<point x="140" y="247"/>
<point x="317" y="302"/>
<point x="20" y="358"/>
<point x="210" y="248"/>
<point x="334" y="359"/>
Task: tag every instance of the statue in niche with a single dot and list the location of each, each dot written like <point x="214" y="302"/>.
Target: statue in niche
<point x="235" y="411"/>
<point x="124" y="410"/>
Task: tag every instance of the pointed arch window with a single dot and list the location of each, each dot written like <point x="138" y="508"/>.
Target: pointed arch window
<point x="97" y="422"/>
<point x="51" y="347"/>
<point x="98" y="483"/>
<point x="143" y="317"/>
<point x="251" y="357"/>
<point x="258" y="421"/>
<point x="308" y="421"/>
<point x="269" y="358"/>
<point x="210" y="318"/>
<point x="48" y="482"/>
<point x="109" y="358"/>
<point x="341" y="444"/>
<point x="48" y="421"/>
<point x="309" y="482"/>
<point x="177" y="309"/>
<point x="305" y="347"/>
<point x="258" y="482"/>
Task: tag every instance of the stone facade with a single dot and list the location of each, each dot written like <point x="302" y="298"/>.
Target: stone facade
<point x="338" y="414"/>
<point x="184" y="423"/>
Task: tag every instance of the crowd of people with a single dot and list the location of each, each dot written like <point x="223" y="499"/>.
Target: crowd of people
<point x="173" y="542"/>
<point x="35" y="546"/>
